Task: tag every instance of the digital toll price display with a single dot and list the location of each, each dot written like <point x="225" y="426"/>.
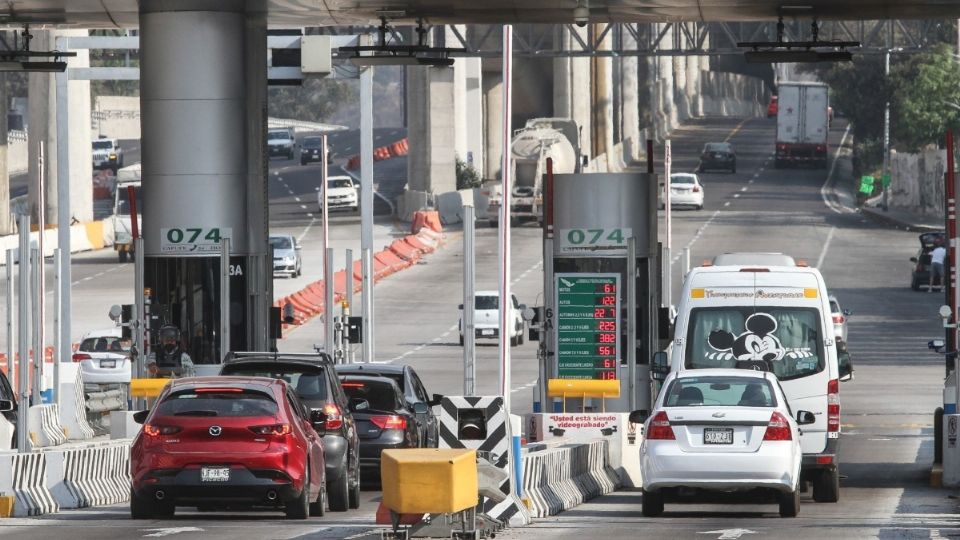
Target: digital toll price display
<point x="587" y="325"/>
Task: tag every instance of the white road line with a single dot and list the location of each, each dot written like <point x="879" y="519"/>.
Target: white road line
<point x="837" y="208"/>
<point x="826" y="246"/>
<point x="307" y="228"/>
<point x="750" y="181"/>
<point x="726" y="203"/>
<point x="295" y="198"/>
<point x="303" y="206"/>
<point x="744" y="188"/>
<point x="736" y="195"/>
<point x="699" y="232"/>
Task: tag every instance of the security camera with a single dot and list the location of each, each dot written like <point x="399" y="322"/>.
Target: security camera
<point x="581" y="15"/>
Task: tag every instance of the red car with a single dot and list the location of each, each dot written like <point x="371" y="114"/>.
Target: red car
<point x="227" y="443"/>
<point x="772" y="107"/>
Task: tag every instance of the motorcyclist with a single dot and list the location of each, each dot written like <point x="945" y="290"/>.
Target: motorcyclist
<point x="169" y="360"/>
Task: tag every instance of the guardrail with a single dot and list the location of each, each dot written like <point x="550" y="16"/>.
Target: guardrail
<point x="300" y="125"/>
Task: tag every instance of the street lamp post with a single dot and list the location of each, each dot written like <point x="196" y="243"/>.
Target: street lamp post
<point x="886" y="135"/>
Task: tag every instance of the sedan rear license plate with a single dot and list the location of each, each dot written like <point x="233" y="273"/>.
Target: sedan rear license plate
<point x="486" y="332"/>
<point x="108" y="363"/>
<point x="214" y="474"/>
<point x="718" y="436"/>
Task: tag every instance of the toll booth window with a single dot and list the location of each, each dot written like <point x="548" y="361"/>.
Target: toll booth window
<point x="784" y="341"/>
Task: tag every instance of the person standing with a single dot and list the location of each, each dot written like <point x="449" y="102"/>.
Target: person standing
<point x="937" y="258"/>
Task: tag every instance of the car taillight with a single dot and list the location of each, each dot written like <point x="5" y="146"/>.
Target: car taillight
<point x="696" y="189"/>
<point x="838" y="319"/>
<point x="833" y="406"/>
<point x="80" y="357"/>
<point x="778" y="429"/>
<point x="389" y="422"/>
<point x="660" y="429"/>
<point x="334" y="416"/>
<point x="277" y="430"/>
<point x="156" y="431"/>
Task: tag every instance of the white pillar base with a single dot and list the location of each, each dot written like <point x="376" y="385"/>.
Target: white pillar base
<point x="951" y="450"/>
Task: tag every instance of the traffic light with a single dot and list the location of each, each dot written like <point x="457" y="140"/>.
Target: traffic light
<point x="126" y="317"/>
<point x="355" y="329"/>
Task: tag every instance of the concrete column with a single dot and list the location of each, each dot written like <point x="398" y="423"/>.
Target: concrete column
<point x="473" y="112"/>
<point x="694" y="94"/>
<point x="431" y="130"/>
<point x="43" y="127"/>
<point x="601" y="98"/>
<point x="680" y="78"/>
<point x="630" y="104"/>
<point x="492" y="133"/>
<point x="203" y="96"/>
<point x="6" y="221"/>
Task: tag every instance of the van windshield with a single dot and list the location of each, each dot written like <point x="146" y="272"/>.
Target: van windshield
<point x="123" y="202"/>
<point x="783" y="340"/>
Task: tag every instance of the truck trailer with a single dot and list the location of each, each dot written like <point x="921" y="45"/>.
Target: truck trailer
<point x="802" y="124"/>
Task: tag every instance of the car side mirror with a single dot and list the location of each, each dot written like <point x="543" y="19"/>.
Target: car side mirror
<point x="913" y="259"/>
<point x="805" y="418"/>
<point x="845" y="366"/>
<point x="436" y="399"/>
<point x="659" y="369"/>
<point x="140" y="416"/>
<point x="640" y="416"/>
<point x="460" y="306"/>
<point x="936" y="345"/>
<point x="318" y="419"/>
<point x="420" y="408"/>
<point x="358" y="404"/>
<point x="6" y="405"/>
<point x="847" y="313"/>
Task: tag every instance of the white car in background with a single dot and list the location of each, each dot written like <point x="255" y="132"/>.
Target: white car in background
<point x="486" y="314"/>
<point x="341" y="193"/>
<point x="839" y="316"/>
<point x="721" y="430"/>
<point x="104" y="357"/>
<point x="686" y="189"/>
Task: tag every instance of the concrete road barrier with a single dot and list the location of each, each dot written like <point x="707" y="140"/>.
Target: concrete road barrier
<point x="25" y="476"/>
<point x="45" y="422"/>
<point x="73" y="410"/>
<point x="557" y="479"/>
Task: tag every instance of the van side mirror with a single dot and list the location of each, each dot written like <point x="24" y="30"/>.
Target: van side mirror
<point x="460" y="306"/>
<point x="6" y="405"/>
<point x="640" y="416"/>
<point x="140" y="416"/>
<point x="805" y="418"/>
<point x="845" y="366"/>
<point x="659" y="369"/>
<point x="913" y="259"/>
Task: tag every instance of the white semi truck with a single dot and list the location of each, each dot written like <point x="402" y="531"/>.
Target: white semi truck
<point x="123" y="234"/>
<point x="541" y="138"/>
<point x="803" y="124"/>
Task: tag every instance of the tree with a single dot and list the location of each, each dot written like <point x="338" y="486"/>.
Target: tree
<point x="926" y="101"/>
<point x="315" y="101"/>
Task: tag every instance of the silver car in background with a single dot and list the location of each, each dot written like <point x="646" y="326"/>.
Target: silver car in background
<point x="720" y="431"/>
<point x="839" y="316"/>
<point x="286" y="255"/>
<point x="104" y="357"/>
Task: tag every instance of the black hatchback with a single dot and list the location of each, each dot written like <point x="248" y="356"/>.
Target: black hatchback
<point x="718" y="156"/>
<point x="920" y="275"/>
<point x="8" y="408"/>
<point x="315" y="381"/>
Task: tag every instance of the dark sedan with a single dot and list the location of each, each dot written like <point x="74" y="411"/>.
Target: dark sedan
<point x="920" y="275"/>
<point x="384" y="419"/>
<point x="718" y="156"/>
<point x="312" y="150"/>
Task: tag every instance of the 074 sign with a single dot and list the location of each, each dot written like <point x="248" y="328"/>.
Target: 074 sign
<point x="193" y="240"/>
<point x="593" y="241"/>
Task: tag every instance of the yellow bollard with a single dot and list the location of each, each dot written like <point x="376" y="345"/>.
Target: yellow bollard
<point x="429" y="480"/>
<point x="147" y="388"/>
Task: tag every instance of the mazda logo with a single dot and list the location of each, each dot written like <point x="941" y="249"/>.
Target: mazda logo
<point x="215" y="431"/>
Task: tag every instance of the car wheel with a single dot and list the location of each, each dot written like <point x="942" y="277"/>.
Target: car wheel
<point x="303" y="162"/>
<point x="699" y="207"/>
<point x="520" y="337"/>
<point x="733" y="170"/>
<point x="915" y="284"/>
<point x="340" y="491"/>
<point x="652" y="503"/>
<point x="299" y="508"/>
<point x="140" y="508"/>
<point x="826" y="487"/>
<point x="355" y="490"/>
<point x="319" y="507"/>
<point x="513" y="341"/>
<point x="461" y="340"/>
<point x="790" y="504"/>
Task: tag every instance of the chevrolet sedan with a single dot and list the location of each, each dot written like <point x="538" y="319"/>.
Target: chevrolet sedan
<point x="721" y="431"/>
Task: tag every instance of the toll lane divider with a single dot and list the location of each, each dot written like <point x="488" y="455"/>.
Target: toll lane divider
<point x="45" y="419"/>
<point x="381" y="153"/>
<point x="83" y="237"/>
<point x="74" y="403"/>
<point x="426" y="237"/>
<point x="561" y="478"/>
<point x="47" y="480"/>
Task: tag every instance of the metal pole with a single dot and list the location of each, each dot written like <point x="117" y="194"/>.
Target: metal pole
<point x="886" y="133"/>
<point x="349" y="292"/>
<point x="142" y="318"/>
<point x="224" y="298"/>
<point x="36" y="291"/>
<point x="686" y="260"/>
<point x="667" y="258"/>
<point x="546" y="333"/>
<point x="366" y="203"/>
<point x="329" y="344"/>
<point x="63" y="204"/>
<point x="506" y="305"/>
<point x="56" y="326"/>
<point x="324" y="208"/>
<point x="632" y="322"/>
<point x="469" y="281"/>
<point x="10" y="318"/>
<point x="23" y="342"/>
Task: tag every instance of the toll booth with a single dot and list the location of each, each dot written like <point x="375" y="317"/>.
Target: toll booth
<point x="601" y="287"/>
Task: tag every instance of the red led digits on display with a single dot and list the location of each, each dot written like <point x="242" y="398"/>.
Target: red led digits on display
<point x="608" y="375"/>
<point x="607" y="326"/>
<point x="606" y="338"/>
<point x="608" y="363"/>
<point x="607" y="301"/>
<point x="607" y="288"/>
<point x="605" y="350"/>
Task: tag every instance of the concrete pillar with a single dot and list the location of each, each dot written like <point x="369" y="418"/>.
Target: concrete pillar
<point x="601" y="98"/>
<point x="572" y="90"/>
<point x="493" y="120"/>
<point x="629" y="102"/>
<point x="680" y="78"/>
<point x="473" y="112"/>
<point x="6" y="220"/>
<point x="43" y="127"/>
<point x="694" y="95"/>
<point x="430" y="130"/>
<point x="203" y="95"/>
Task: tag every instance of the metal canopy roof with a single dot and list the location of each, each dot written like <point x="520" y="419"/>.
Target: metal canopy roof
<point x="123" y="13"/>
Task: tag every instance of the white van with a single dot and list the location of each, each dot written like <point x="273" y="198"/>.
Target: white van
<point x="769" y="318"/>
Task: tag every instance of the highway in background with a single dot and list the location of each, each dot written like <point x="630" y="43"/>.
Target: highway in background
<point x="887" y="444"/>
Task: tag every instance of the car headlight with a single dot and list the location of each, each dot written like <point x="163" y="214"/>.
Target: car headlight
<point x="289" y="259"/>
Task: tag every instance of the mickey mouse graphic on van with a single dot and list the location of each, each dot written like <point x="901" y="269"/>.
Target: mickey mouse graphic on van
<point x="757" y="343"/>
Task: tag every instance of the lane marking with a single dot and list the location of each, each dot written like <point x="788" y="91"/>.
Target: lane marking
<point x="168" y="531"/>
<point x="744" y="188"/>
<point x="736" y="195"/>
<point x="729" y="534"/>
<point x="835" y="207"/>
<point x="307" y="228"/>
<point x="736" y="130"/>
<point x="826" y="246"/>
<point x="726" y="203"/>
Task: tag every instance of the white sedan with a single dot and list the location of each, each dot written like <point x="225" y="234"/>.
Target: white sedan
<point x="342" y="192"/>
<point x="686" y="189"/>
<point x="721" y="430"/>
<point x="104" y="357"/>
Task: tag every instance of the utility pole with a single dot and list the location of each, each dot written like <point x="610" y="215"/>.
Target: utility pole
<point x="886" y="135"/>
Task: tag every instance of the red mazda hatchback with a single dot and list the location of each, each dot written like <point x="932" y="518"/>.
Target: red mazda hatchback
<point x="227" y="443"/>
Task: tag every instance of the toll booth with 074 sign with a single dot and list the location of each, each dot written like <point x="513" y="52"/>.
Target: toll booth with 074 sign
<point x="588" y="325"/>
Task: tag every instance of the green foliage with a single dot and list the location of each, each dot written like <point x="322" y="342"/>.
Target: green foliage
<point x="927" y="98"/>
<point x="467" y="175"/>
<point x="315" y="101"/>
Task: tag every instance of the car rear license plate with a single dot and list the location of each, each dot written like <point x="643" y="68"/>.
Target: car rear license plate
<point x="214" y="474"/>
<point x="718" y="436"/>
<point x="108" y="363"/>
<point x="486" y="332"/>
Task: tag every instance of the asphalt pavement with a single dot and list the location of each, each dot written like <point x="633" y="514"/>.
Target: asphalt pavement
<point x="887" y="410"/>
